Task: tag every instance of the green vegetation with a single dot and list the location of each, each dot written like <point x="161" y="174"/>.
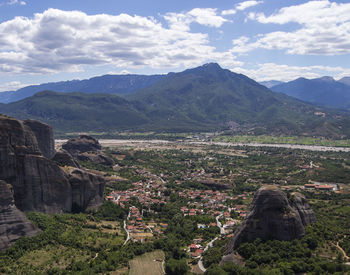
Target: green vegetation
<point x="150" y="263"/>
<point x="284" y="140"/>
<point x="316" y="253"/>
<point x="69" y="244"/>
<point x="93" y="242"/>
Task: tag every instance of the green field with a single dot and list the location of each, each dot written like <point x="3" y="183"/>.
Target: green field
<point x="285" y="140"/>
<point x="147" y="264"/>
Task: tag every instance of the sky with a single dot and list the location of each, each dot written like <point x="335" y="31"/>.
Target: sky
<point x="48" y="40"/>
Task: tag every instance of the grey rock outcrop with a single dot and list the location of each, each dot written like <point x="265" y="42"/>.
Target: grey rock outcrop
<point x="86" y="148"/>
<point x="299" y="203"/>
<point x="44" y="137"/>
<point x="13" y="223"/>
<point x="63" y="158"/>
<point x="99" y="158"/>
<point x="39" y="184"/>
<point x="82" y="144"/>
<point x="87" y="190"/>
<point x="273" y="216"/>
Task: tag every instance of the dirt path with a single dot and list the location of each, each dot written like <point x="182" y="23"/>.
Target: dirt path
<point x="342" y="251"/>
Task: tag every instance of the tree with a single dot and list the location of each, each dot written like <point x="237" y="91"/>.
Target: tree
<point x="176" y="267"/>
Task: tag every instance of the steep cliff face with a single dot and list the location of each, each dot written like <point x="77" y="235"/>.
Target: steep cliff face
<point x="87" y="190"/>
<point x="44" y="137"/>
<point x="39" y="184"/>
<point x="273" y="216"/>
<point x="299" y="203"/>
<point x="13" y="223"/>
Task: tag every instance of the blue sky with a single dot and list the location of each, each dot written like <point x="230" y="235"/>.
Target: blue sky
<point x="47" y="40"/>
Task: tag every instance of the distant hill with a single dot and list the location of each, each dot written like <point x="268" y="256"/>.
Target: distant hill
<point x="271" y="83"/>
<point x="345" y="80"/>
<point x="77" y="111"/>
<point x="107" y="84"/>
<point x="320" y="91"/>
<point x="205" y="98"/>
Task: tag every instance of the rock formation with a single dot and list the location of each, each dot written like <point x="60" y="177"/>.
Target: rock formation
<point x="273" y="216"/>
<point x="86" y="148"/>
<point x="82" y="144"/>
<point x="44" y="137"/>
<point x="87" y="190"/>
<point x="63" y="158"/>
<point x="13" y="223"/>
<point x="299" y="202"/>
<point x="39" y="184"/>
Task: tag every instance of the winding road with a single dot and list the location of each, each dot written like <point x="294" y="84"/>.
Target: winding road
<point x="127" y="233"/>
<point x="210" y="244"/>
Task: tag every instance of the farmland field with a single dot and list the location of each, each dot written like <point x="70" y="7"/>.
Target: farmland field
<point x="147" y="264"/>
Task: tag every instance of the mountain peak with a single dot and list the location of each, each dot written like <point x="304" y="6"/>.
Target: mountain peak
<point x="325" y="78"/>
<point x="345" y="80"/>
<point x="211" y="65"/>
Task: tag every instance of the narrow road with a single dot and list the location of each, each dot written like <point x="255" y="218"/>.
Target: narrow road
<point x="218" y="223"/>
<point x="127" y="233"/>
<point x="200" y="262"/>
<point x="210" y="244"/>
<point x="346" y="257"/>
<point x="126" y="230"/>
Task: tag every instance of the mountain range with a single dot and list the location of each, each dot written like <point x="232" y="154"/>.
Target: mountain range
<point x="205" y="98"/>
<point x="324" y="91"/>
<point x="108" y="84"/>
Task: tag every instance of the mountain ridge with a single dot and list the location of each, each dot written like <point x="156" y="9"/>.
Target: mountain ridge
<point x="111" y="84"/>
<point x="205" y="98"/>
<point x="324" y="91"/>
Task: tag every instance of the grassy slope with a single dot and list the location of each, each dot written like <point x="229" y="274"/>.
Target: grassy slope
<point x="147" y="265"/>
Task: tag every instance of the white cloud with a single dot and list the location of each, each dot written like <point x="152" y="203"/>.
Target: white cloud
<point x="207" y="17"/>
<point x="56" y="40"/>
<point x="228" y="12"/>
<point x="11" y="86"/>
<point x="273" y="71"/>
<point x="123" y="72"/>
<point x="13" y="2"/>
<point x="324" y="29"/>
<point x="247" y="4"/>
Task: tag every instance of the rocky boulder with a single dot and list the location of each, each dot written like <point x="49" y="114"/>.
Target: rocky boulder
<point x="98" y="158"/>
<point x="13" y="223"/>
<point x="63" y="158"/>
<point x="86" y="148"/>
<point x="82" y="144"/>
<point x="273" y="216"/>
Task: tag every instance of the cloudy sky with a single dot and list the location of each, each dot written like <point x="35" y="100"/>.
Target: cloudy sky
<point x="46" y="40"/>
